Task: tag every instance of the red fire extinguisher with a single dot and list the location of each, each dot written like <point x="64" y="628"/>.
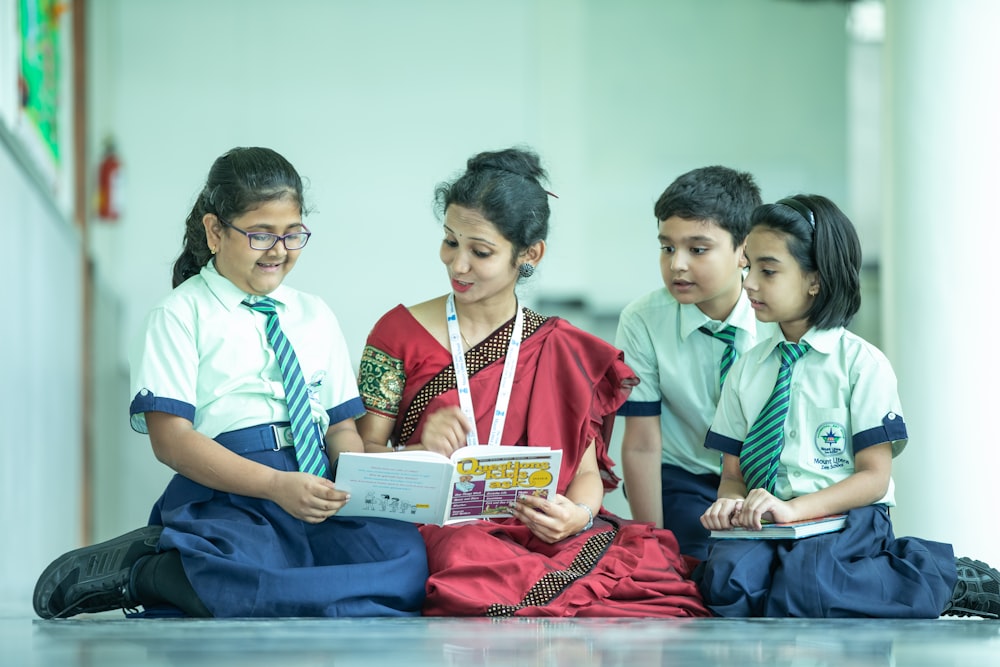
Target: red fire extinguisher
<point x="109" y="184"/>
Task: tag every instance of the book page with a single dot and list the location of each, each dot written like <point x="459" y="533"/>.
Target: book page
<point x="391" y="486"/>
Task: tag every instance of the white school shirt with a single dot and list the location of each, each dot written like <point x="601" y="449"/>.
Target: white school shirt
<point x="678" y="369"/>
<point x="203" y="356"/>
<point x="843" y="398"/>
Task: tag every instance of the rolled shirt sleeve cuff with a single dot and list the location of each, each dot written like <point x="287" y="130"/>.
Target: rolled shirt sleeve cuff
<point x="639" y="409"/>
<point x="892" y="430"/>
<point x="146" y="401"/>
<point x="351" y="409"/>
<point x="723" y="443"/>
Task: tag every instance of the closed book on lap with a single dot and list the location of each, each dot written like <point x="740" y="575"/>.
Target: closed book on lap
<point x="785" y="531"/>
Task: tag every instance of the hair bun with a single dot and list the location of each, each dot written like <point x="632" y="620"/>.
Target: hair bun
<point x="520" y="161"/>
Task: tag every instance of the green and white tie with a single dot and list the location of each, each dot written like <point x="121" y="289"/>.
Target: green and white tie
<point x="729" y="356"/>
<point x="762" y="448"/>
<point x="305" y="433"/>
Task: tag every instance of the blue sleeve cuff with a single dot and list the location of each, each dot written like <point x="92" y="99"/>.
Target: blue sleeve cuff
<point x="351" y="409"/>
<point x="146" y="401"/>
<point x="639" y="409"/>
<point x="893" y="428"/>
<point x="723" y="443"/>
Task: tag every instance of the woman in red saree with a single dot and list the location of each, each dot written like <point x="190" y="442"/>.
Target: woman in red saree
<point x="560" y="556"/>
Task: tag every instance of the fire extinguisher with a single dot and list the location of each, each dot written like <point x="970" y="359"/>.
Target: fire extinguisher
<point x="109" y="184"/>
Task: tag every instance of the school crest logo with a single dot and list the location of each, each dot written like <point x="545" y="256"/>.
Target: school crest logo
<point x="830" y="439"/>
<point x="316" y="382"/>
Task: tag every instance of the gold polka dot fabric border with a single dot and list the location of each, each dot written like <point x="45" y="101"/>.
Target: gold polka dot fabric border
<point x="553" y="583"/>
<point x="488" y="351"/>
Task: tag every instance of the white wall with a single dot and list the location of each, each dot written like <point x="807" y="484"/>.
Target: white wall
<point x="41" y="466"/>
<point x="377" y="102"/>
<point x="42" y="505"/>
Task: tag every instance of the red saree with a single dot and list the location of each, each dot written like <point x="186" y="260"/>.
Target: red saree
<point x="566" y="390"/>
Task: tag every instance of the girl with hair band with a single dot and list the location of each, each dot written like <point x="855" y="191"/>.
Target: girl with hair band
<point x="808" y="423"/>
<point x="246" y="390"/>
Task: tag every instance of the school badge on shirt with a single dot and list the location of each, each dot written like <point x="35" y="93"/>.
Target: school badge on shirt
<point x="315" y="400"/>
<point x="315" y="382"/>
<point x="830" y="440"/>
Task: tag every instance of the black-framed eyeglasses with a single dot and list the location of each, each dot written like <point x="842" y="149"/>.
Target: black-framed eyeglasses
<point x="267" y="240"/>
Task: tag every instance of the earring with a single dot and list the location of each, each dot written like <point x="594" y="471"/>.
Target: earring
<point x="526" y="270"/>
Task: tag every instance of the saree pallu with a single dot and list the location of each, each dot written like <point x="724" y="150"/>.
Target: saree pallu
<point x="567" y="388"/>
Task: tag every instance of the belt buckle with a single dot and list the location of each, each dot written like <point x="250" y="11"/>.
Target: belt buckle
<point x="276" y="434"/>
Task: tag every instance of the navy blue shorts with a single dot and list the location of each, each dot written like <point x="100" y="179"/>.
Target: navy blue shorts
<point x="686" y="496"/>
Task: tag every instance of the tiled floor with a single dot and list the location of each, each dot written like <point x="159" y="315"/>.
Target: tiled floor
<point x="109" y="640"/>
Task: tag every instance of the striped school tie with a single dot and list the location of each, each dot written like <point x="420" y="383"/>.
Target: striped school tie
<point x="729" y="356"/>
<point x="762" y="447"/>
<point x="305" y="433"/>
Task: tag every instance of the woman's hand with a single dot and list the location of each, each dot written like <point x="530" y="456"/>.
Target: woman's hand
<point x="550" y="520"/>
<point x="445" y="431"/>
<point x="307" y="497"/>
<point x="720" y="515"/>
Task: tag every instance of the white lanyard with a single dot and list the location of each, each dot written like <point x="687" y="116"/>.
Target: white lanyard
<point x="462" y="375"/>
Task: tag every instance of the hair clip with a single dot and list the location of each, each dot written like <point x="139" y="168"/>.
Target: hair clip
<point x="552" y="194"/>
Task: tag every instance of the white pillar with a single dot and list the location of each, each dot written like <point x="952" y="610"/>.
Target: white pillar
<point x="940" y="266"/>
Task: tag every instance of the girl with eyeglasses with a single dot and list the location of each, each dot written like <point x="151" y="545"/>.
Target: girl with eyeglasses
<point x="246" y="390"/>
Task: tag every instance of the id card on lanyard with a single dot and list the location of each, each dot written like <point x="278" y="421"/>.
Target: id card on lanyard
<point x="462" y="376"/>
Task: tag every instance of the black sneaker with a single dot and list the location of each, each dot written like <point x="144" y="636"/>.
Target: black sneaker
<point x="977" y="592"/>
<point x="95" y="578"/>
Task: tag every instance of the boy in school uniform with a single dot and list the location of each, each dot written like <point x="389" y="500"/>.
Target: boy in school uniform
<point x="681" y="339"/>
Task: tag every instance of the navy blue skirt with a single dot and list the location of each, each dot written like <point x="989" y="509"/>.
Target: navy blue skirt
<point x="861" y="571"/>
<point x="247" y="557"/>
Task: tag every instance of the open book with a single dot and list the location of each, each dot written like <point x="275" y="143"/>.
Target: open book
<point x="427" y="487"/>
<point x="785" y="531"/>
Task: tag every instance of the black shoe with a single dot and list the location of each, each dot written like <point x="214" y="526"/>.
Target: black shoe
<point x="977" y="592"/>
<point x="95" y="578"/>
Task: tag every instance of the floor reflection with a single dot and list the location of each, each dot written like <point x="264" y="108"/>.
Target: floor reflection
<point x="106" y="639"/>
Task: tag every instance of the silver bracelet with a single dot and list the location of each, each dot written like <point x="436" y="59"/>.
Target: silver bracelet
<point x="590" y="517"/>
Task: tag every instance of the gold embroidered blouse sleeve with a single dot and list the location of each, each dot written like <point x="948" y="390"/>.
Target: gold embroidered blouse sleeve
<point x="381" y="381"/>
